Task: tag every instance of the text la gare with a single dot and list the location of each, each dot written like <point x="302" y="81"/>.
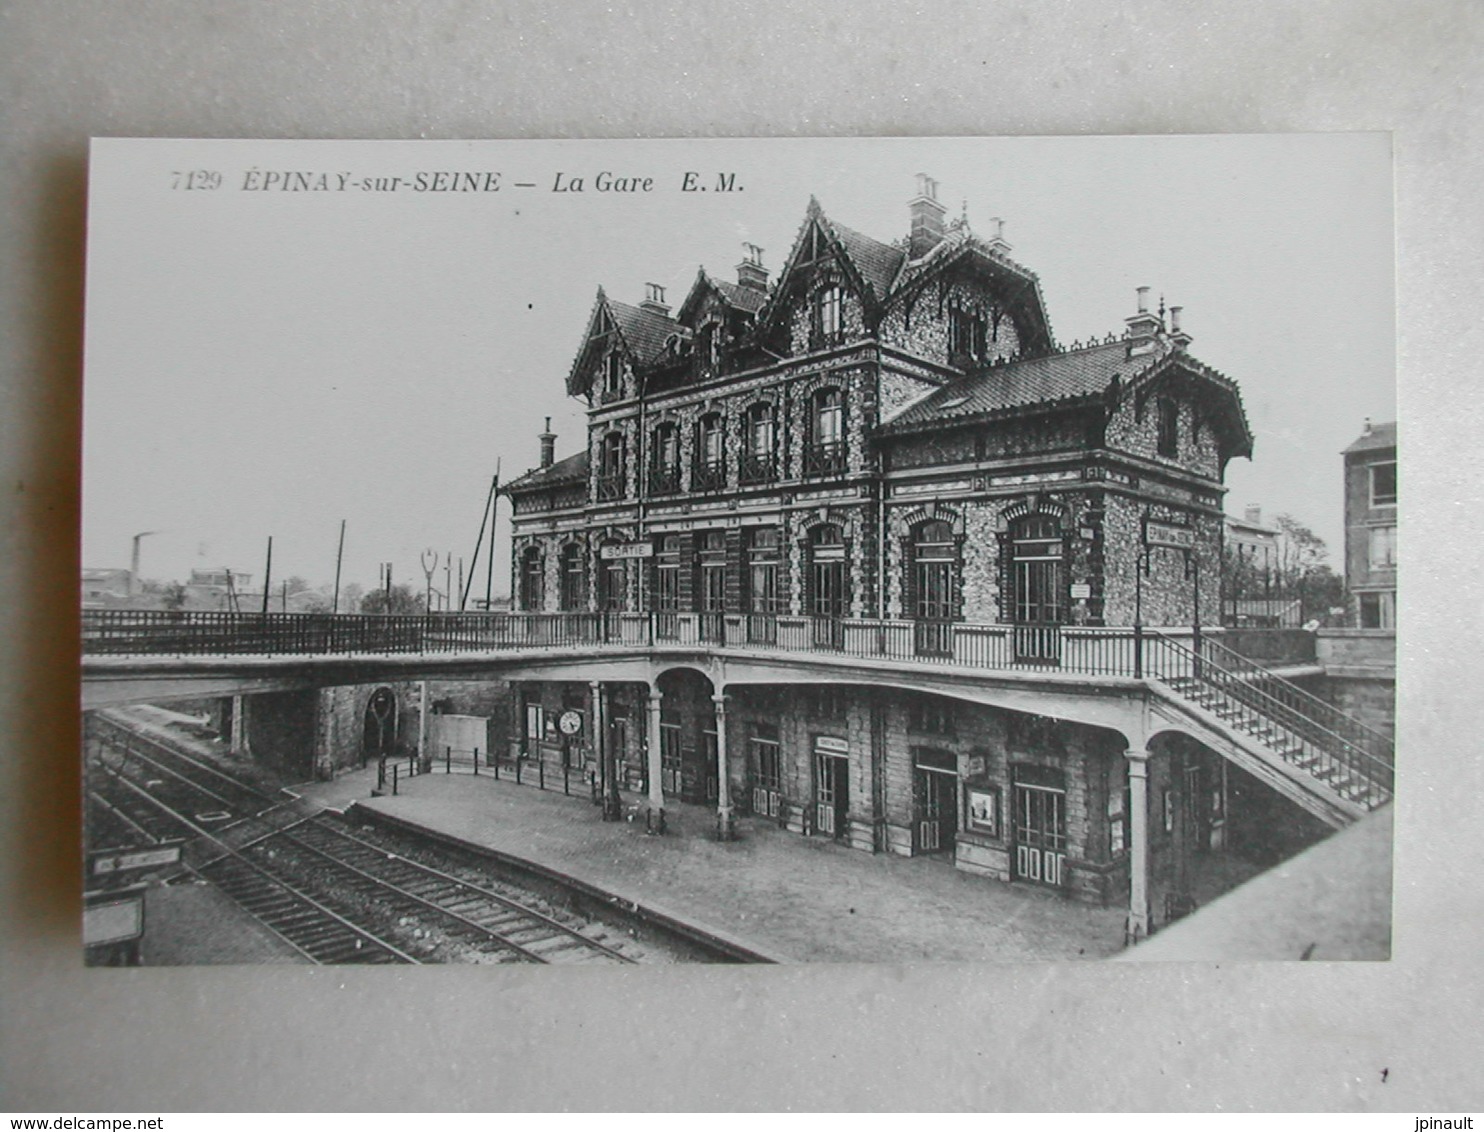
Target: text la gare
<point x="608" y="182"/>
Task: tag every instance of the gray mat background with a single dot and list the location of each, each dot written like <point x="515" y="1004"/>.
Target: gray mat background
<point x="1287" y="1036"/>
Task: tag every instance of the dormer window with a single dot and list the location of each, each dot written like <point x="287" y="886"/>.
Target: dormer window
<point x="831" y="316"/>
<point x="967" y="337"/>
<point x="1168" y="437"/>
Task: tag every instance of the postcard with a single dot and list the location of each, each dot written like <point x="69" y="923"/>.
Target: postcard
<point x="746" y="551"/>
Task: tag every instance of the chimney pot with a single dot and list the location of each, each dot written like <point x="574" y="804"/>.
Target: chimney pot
<point x="654" y="299"/>
<point x="548" y="445"/>
<point x="1143" y="299"/>
<point x="1367" y="430"/>
<point x="1175" y="318"/>
<point x="750" y="272"/>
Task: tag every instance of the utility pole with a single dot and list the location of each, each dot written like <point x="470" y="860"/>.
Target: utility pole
<point x="489" y="574"/>
<point x="339" y="556"/>
<point x="268" y="574"/>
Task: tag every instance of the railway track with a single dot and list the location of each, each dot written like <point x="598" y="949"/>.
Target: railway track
<point x="334" y="897"/>
<point x="478" y="916"/>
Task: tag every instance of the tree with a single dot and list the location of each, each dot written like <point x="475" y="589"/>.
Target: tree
<point x="350" y="596"/>
<point x="403" y="601"/>
<point x="1303" y="570"/>
<point x="175" y="596"/>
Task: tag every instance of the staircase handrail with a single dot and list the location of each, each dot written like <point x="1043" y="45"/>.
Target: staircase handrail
<point x="1228" y="655"/>
<point x="1384" y="769"/>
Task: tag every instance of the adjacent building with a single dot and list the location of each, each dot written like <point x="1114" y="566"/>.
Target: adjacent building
<point x="1370" y="526"/>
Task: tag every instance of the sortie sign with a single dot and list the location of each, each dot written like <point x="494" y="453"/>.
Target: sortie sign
<point x="626" y="550"/>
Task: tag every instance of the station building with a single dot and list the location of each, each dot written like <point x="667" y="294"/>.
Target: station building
<point x="885" y="451"/>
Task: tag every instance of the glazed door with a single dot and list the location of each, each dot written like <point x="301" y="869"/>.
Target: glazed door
<point x="1040" y="834"/>
<point x="935" y="797"/>
<point x="1040" y="608"/>
<point x="671" y="759"/>
<point x="827" y="586"/>
<point x="831" y="795"/>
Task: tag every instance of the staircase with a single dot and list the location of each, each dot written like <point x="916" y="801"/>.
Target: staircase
<point x="1329" y="763"/>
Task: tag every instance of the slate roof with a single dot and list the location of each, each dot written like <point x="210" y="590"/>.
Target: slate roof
<point x="1380" y="436"/>
<point x="1032" y="381"/>
<point x="748" y="299"/>
<point x="571" y="470"/>
<point x="645" y="331"/>
<point x="878" y="263"/>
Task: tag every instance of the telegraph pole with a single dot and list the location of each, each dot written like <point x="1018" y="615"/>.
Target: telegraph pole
<point x="268" y="574"/>
<point x="339" y="556"/>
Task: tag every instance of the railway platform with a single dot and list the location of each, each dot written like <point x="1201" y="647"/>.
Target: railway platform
<point x="791" y="898"/>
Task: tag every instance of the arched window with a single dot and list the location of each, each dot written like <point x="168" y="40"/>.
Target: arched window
<point x="573" y="577"/>
<point x="759" y="445"/>
<point x="532" y="579"/>
<point x="611" y="467"/>
<point x="826" y="580"/>
<point x="709" y="472"/>
<point x="664" y="469"/>
<point x="1038" y="587"/>
<point x="933" y="586"/>
<point x="825" y="454"/>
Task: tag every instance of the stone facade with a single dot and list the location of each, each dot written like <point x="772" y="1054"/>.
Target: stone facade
<point x="910" y="388"/>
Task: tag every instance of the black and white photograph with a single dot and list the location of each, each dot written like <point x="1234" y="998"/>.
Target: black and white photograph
<point x="793" y="551"/>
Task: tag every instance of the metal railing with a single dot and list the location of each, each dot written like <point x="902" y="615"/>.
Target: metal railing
<point x="1309" y="733"/>
<point x="1094" y="651"/>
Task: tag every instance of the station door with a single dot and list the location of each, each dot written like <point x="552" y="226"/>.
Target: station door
<point x="831" y="795"/>
<point x="935" y="798"/>
<point x="1040" y="834"/>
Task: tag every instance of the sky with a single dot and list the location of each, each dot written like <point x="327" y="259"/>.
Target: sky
<point x="265" y="362"/>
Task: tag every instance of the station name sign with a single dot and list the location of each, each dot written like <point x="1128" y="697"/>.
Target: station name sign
<point x="613" y="550"/>
<point x="1168" y="534"/>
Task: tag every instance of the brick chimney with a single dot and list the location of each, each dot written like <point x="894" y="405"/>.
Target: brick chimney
<point x="548" y="445"/>
<point x="998" y="241"/>
<point x="927" y="217"/>
<point x="1253" y="514"/>
<point x="654" y="300"/>
<point x="751" y="273"/>
<point x="1143" y="327"/>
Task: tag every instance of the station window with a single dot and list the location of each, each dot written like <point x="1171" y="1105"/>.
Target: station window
<point x="831" y="320"/>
